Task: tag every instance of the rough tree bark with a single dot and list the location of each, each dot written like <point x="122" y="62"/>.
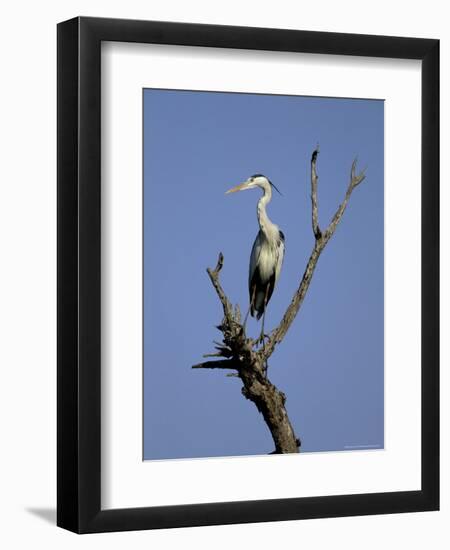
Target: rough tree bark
<point x="241" y="354"/>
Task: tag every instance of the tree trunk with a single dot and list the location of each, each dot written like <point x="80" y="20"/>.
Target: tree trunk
<point x="271" y="404"/>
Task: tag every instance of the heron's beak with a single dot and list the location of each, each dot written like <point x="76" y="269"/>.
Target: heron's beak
<point x="239" y="187"/>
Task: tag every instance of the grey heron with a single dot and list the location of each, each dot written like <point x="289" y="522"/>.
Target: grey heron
<point x="267" y="253"/>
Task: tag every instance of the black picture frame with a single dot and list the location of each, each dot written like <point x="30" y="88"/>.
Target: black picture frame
<point x="79" y="277"/>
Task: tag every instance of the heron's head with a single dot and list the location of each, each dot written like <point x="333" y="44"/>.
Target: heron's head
<point x="258" y="180"/>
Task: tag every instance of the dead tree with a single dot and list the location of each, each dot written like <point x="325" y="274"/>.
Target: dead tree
<point x="244" y="357"/>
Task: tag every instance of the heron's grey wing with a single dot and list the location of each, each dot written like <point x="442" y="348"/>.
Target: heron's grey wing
<point x="279" y="253"/>
<point x="254" y="256"/>
<point x="280" y="258"/>
<point x="253" y="272"/>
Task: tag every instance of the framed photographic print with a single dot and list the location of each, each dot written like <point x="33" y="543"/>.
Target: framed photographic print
<point x="230" y="357"/>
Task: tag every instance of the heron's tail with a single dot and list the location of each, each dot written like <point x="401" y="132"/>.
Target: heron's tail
<point x="258" y="305"/>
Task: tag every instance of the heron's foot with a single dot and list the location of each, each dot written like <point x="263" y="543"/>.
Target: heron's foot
<point x="261" y="339"/>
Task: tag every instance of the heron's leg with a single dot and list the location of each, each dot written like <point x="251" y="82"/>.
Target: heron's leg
<point x="246" y="316"/>
<point x="261" y="336"/>
<point x="250" y="306"/>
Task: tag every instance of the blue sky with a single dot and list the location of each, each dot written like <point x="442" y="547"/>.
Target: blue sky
<point x="330" y="365"/>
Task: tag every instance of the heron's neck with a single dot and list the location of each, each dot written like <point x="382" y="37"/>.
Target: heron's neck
<point x="265" y="224"/>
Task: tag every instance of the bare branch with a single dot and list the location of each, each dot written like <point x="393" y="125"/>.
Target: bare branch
<point x="355" y="180"/>
<point x="291" y="312"/>
<point x="222" y="351"/>
<point x="214" y="276"/>
<point x="219" y="264"/>
<point x="314" y="180"/>
<point x="237" y="313"/>
<point x="224" y="364"/>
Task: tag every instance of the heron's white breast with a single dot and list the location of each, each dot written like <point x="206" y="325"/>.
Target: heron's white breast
<point x="267" y="261"/>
